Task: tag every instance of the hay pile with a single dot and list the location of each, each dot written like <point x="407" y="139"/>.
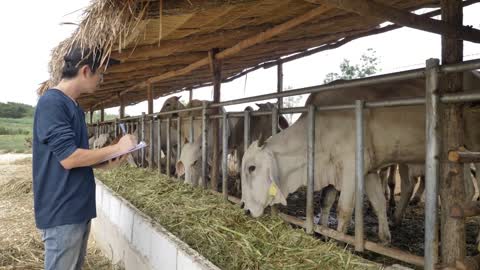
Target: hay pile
<point x="221" y="232"/>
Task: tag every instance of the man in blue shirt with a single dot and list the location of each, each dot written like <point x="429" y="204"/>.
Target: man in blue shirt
<point x="63" y="181"/>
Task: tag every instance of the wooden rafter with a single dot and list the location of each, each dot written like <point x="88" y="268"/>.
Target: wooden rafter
<point x="242" y="45"/>
<point x="371" y="8"/>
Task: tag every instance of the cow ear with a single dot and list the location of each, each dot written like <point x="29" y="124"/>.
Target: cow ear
<point x="261" y="141"/>
<point x="185" y="140"/>
<point x="177" y="97"/>
<point x="179" y="168"/>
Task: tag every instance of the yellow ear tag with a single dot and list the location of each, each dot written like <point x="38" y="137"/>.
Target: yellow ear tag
<point x="272" y="191"/>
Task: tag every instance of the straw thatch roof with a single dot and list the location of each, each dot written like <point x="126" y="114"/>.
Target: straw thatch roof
<point x="152" y="45"/>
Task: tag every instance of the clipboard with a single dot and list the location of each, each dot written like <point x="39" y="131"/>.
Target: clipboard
<point x="139" y="146"/>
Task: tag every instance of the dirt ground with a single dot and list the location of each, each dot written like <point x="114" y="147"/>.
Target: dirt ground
<point x="20" y="242"/>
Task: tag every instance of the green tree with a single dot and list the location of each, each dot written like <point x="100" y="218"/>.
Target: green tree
<point x="368" y="66"/>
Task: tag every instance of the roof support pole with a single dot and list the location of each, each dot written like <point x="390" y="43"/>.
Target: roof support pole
<point x="280" y="83"/>
<point x="150" y="98"/>
<point x="216" y="69"/>
<point x="102" y="113"/>
<point x="122" y="106"/>
<point x="452" y="189"/>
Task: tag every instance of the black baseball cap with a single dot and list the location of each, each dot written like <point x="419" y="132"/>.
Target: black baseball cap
<point x="84" y="56"/>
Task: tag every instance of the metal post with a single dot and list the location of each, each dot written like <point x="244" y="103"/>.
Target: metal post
<point x="246" y="130"/>
<point x="432" y="164"/>
<point x="274" y="209"/>
<point x="152" y="145"/>
<point x="191" y="136"/>
<point x="97" y="129"/>
<point x="142" y="151"/>
<point x="179" y="137"/>
<point x="310" y="168"/>
<point x="359" y="184"/>
<point x="115" y="126"/>
<point x="280" y="83"/>
<point x="169" y="151"/>
<point x="204" y="144"/>
<point x="159" y="147"/>
<point x="225" y="155"/>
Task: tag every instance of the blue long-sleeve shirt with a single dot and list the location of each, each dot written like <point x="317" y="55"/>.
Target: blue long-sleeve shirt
<point x="60" y="196"/>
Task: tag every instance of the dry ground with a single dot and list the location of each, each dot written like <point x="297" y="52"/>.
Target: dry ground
<point x="20" y="242"/>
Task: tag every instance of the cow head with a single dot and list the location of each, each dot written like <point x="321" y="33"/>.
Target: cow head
<point x="172" y="104"/>
<point x="260" y="179"/>
<point x="190" y="162"/>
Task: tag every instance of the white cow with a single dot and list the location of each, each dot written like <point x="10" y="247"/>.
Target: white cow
<point x="272" y="170"/>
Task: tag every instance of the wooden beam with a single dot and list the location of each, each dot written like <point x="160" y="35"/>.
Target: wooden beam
<point x="247" y="43"/>
<point x="371" y="8"/>
<point x="150" y="98"/>
<point x="216" y="70"/>
<point x="464" y="156"/>
<point x="469" y="209"/>
<point x="451" y="182"/>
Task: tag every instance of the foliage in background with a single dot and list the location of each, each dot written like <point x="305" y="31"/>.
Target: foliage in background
<point x="367" y="67"/>
<point x="15" y="110"/>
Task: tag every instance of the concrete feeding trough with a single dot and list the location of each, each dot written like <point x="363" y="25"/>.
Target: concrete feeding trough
<point x="133" y="240"/>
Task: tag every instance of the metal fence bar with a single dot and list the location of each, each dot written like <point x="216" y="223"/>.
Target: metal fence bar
<point x="310" y="168"/>
<point x="404" y="75"/>
<point x="246" y="130"/>
<point x="179" y="138"/>
<point x="152" y="145"/>
<point x="159" y="150"/>
<point x="225" y="155"/>
<point x="274" y="112"/>
<point x="169" y="150"/>
<point x="191" y="134"/>
<point x="464" y="66"/>
<point x="359" y="183"/>
<point x="204" y="144"/>
<point x="432" y="164"/>
<point x="142" y="131"/>
<point x="115" y="127"/>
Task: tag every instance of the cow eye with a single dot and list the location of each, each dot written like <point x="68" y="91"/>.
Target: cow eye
<point x="251" y="169"/>
<point x="195" y="162"/>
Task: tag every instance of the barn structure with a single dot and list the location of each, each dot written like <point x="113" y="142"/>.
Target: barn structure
<point x="169" y="46"/>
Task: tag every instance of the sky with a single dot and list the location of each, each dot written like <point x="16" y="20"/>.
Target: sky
<point x="32" y="36"/>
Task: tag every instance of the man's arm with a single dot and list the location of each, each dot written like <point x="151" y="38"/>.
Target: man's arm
<point x="85" y="157"/>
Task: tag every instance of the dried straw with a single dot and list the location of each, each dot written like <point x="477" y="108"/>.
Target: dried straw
<point x="221" y="232"/>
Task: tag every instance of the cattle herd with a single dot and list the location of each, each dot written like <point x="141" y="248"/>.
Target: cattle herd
<point x="274" y="166"/>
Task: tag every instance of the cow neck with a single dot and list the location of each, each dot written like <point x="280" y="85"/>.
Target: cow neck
<point x="289" y="149"/>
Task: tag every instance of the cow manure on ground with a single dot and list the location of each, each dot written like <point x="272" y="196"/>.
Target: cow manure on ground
<point x="221" y="231"/>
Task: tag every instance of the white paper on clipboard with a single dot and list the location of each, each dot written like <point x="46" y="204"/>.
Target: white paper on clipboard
<point x="139" y="146"/>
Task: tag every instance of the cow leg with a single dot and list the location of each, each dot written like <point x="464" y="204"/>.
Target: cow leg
<point x="407" y="186"/>
<point x="345" y="207"/>
<point x="391" y="186"/>
<point x="383" y="174"/>
<point x="329" y="195"/>
<point x="418" y="194"/>
<point x="375" y="195"/>
<point x="468" y="180"/>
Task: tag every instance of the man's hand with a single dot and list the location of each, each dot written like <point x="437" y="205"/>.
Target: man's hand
<point x="127" y="142"/>
<point x="113" y="163"/>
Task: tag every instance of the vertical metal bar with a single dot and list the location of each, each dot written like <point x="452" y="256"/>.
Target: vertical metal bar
<point x="310" y="168"/>
<point x="204" y="144"/>
<point x="169" y="151"/>
<point x="97" y="129"/>
<point x="225" y="155"/>
<point x="246" y="130"/>
<point x="142" y="151"/>
<point x="179" y="137"/>
<point x="191" y="135"/>
<point x="152" y="145"/>
<point x="359" y="183"/>
<point x="115" y="127"/>
<point x="432" y="164"/>
<point x="274" y="209"/>
<point x="159" y="149"/>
